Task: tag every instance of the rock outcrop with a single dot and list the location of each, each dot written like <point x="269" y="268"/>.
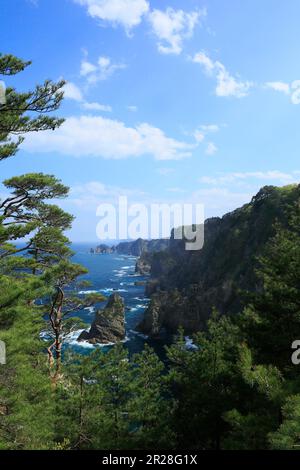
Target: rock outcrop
<point x="143" y="264"/>
<point x="109" y="323"/>
<point x="187" y="285"/>
<point x="103" y="249"/>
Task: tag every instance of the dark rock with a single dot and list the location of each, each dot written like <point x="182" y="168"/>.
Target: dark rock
<point x="109" y="323"/>
<point x="143" y="264"/>
<point x="152" y="286"/>
<point x="104" y="249"/>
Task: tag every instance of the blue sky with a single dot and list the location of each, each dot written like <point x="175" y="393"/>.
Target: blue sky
<point x="167" y="101"/>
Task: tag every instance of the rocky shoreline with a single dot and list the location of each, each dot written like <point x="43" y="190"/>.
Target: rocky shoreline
<point x="186" y="286"/>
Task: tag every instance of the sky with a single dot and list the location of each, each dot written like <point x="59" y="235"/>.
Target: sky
<point x="166" y="101"/>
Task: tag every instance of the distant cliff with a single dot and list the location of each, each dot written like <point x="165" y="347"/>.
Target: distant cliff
<point x="139" y="246"/>
<point x="133" y="248"/>
<point x="186" y="285"/>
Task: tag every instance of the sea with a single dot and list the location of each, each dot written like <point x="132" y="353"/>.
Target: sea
<point x="107" y="274"/>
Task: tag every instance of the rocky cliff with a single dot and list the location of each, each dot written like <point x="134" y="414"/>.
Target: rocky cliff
<point x="186" y="285"/>
<point x="109" y="323"/>
<point x="143" y="264"/>
<point x="139" y="246"/>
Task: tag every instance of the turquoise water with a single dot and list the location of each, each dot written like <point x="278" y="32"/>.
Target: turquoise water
<point x="110" y="273"/>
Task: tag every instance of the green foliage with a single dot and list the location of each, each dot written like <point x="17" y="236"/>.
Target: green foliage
<point x="287" y="437"/>
<point x="25" y="112"/>
<point x="204" y="383"/>
<point x="110" y="402"/>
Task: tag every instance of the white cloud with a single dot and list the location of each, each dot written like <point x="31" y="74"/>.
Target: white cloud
<point x="132" y="108"/>
<point x="102" y="70"/>
<point x="211" y="148"/>
<point x="279" y="86"/>
<point x="172" y="27"/>
<point x="205" y="61"/>
<point x="87" y="68"/>
<point x="200" y="136"/>
<point x="72" y="92"/>
<point x="127" y="13"/>
<point x="210" y="128"/>
<point x="295" y="96"/>
<point x="227" y="85"/>
<point x="107" y="138"/>
<point x="229" y="178"/>
<point x="292" y="90"/>
<point x="201" y="132"/>
<point x="97" y="107"/>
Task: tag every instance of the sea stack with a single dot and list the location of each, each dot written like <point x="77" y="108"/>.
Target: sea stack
<point x="109" y="323"/>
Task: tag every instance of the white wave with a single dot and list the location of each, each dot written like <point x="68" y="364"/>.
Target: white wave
<point x="84" y="292"/>
<point x="71" y="339"/>
<point x="44" y="335"/>
<point x="189" y="343"/>
<point x="137" y="333"/>
<point x="133" y="309"/>
<point x="140" y="299"/>
<point x="90" y="309"/>
<point x="110" y="289"/>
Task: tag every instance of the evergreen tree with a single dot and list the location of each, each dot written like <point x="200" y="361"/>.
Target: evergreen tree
<point x="35" y="261"/>
<point x="271" y="321"/>
<point x="21" y="113"/>
<point x="204" y="382"/>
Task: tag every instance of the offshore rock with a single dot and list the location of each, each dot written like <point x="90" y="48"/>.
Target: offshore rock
<point x="109" y="323"/>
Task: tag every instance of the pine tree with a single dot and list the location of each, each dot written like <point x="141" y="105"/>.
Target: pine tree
<point x="271" y="321"/>
<point x="21" y="113"/>
<point x="203" y="381"/>
<point x="31" y="271"/>
<point x="287" y="437"/>
<point x="150" y="406"/>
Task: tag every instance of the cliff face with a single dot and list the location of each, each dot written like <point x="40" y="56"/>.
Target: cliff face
<point x="109" y="323"/>
<point x="187" y="285"/>
<point x="139" y="246"/>
<point x="143" y="264"/>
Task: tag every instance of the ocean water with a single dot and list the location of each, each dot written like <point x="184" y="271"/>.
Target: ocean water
<point x="110" y="273"/>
